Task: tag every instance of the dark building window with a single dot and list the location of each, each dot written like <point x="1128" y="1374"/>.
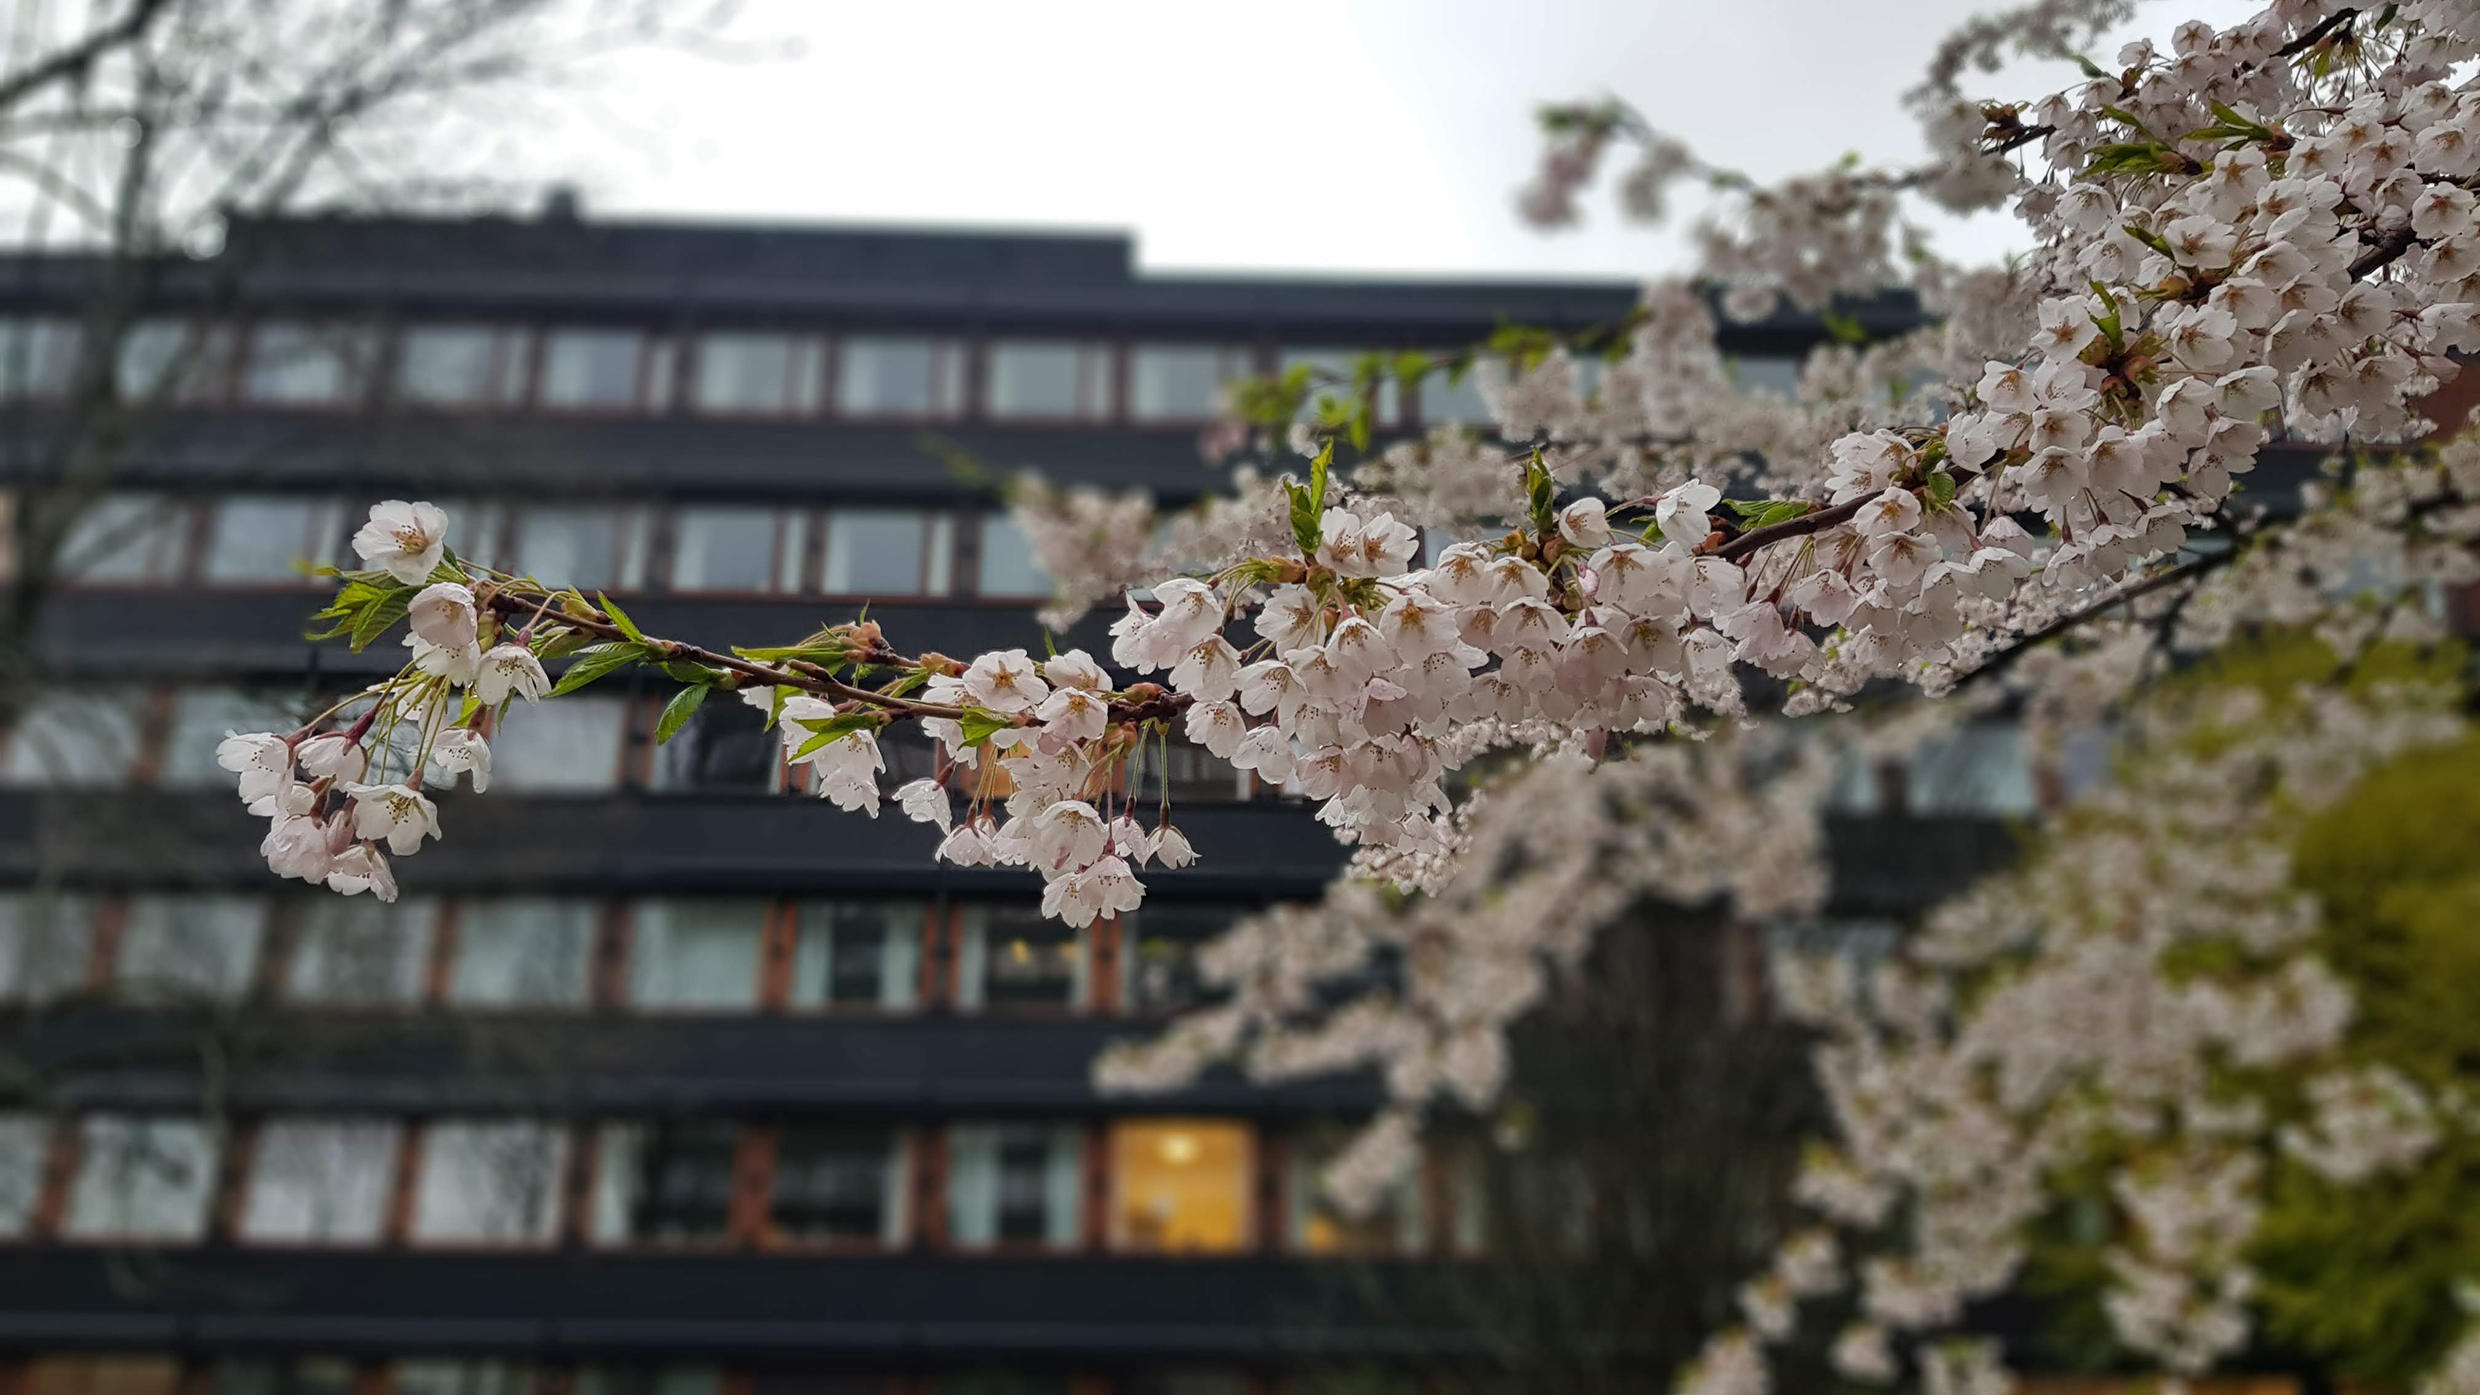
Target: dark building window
<point x="1049" y="379"/>
<point x="293" y="364"/>
<point x="1014" y="1184"/>
<point x="1193" y="774"/>
<point x="127" y="537"/>
<point x="190" y="947"/>
<point x="272" y="537"/>
<point x="696" y="952"/>
<point x="896" y="376"/>
<point x="45" y="939"/>
<point x="460" y="366"/>
<point x="303" y="1375"/>
<point x="463" y="1378"/>
<point x="319" y="1181"/>
<point x="1158" y="955"/>
<point x="359" y="951"/>
<point x="857" y="954"/>
<point x="24" y="1140"/>
<point x="889" y="552"/>
<point x="737" y="548"/>
<point x="490" y="1181"/>
<point x="1180" y="382"/>
<point x="1010" y="956"/>
<point x="767" y="374"/>
<point x="725" y="748"/>
<point x="665" y="1181"/>
<point x="664" y="1380"/>
<point x="568" y="746"/>
<point x="38" y="355"/>
<point x="142" y="1178"/>
<point x="1008" y="567"/>
<point x="78" y="737"/>
<point x="522" y="951"/>
<point x="589" y="546"/>
<point x="600" y="369"/>
<point x="838" y="1184"/>
<point x="177" y="361"/>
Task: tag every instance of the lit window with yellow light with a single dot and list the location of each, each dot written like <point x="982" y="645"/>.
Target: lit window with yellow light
<point x="1181" y="1185"/>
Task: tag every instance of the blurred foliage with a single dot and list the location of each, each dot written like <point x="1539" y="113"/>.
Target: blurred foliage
<point x="2356" y="1281"/>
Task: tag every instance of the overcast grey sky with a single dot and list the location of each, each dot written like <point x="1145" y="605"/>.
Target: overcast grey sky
<point x="1386" y="135"/>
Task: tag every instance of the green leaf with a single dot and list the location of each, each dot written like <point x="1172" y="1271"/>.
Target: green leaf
<point x="913" y="679"/>
<point x="1765" y="513"/>
<point x="1360" y="427"/>
<point x="378" y="615"/>
<point x="828" y="654"/>
<point x="2150" y="239"/>
<point x="1845" y="329"/>
<point x="1652" y="534"/>
<point x="1941" y="489"/>
<point x="980" y="725"/>
<point x="619" y="617"/>
<point x="1317" y="476"/>
<point x="2090" y="69"/>
<point x="684" y="704"/>
<point x="1541" y="494"/>
<point x="826" y="731"/>
<point x="688" y="673"/>
<point x="1307" y="518"/>
<point x="596" y="660"/>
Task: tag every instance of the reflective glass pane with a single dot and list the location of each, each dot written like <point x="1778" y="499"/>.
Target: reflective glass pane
<point x="459" y="365"/>
<point x="520" y="951"/>
<point x="358" y="951"/>
<point x="127" y="537"/>
<point x="587" y="546"/>
<point x="46" y="944"/>
<point x="202" y="717"/>
<point x="324" y="1180"/>
<point x="74" y="739"/>
<point x="496" y="1180"/>
<point x="857" y="953"/>
<point x="1008" y="567"/>
<point x="595" y="368"/>
<point x="723" y="549"/>
<point x="191" y="946"/>
<point x="876" y="552"/>
<point x="24" y="1139"/>
<point x="38" y="355"/>
<point x="889" y="376"/>
<point x="699" y="952"/>
<point x="297" y="364"/>
<point x="839" y="1184"/>
<point x="271" y="537"/>
<point x="561" y="747"/>
<point x="142" y="1179"/>
<point x="1175" y="382"/>
<point x="1014" y="1184"/>
<point x="664" y="1181"/>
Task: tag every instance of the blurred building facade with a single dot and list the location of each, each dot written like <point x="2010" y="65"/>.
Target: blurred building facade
<point x="662" y="1076"/>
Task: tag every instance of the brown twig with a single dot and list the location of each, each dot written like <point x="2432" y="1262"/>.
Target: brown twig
<point x="2315" y="34"/>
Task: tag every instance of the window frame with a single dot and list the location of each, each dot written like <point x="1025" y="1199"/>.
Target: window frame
<point x="652" y="391"/>
<point x="795" y="556"/>
<point x="356" y="350"/>
<point x="897" y="1230"/>
<point x="811" y="355"/>
<point x="1232" y="361"/>
<point x="954" y="385"/>
<point x="938" y="553"/>
<point x="509" y="374"/>
<point x="1098" y="373"/>
<point x="417" y="1137"/>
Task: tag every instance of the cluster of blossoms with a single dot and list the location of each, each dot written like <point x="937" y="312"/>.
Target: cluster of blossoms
<point x="326" y="788"/>
<point x="2268" y="228"/>
<point x="2042" y="1024"/>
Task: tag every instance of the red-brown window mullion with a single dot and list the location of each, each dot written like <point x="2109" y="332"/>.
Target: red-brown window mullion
<point x="239" y="1157"/>
<point x="930" y="1189"/>
<point x="614" y="943"/>
<point x="406" y="1167"/>
<point x="1095" y="1140"/>
<point x="438" y="974"/>
<point x="749" y="1224"/>
<point x="103" y="946"/>
<point x="376" y="1377"/>
<point x="1272" y="1153"/>
<point x="585" y="1161"/>
<point x="60" y="1166"/>
<point x="775" y="956"/>
<point x="1437" y="1204"/>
